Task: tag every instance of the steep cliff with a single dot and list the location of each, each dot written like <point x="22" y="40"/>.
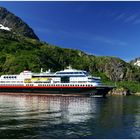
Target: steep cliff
<point x="9" y="21"/>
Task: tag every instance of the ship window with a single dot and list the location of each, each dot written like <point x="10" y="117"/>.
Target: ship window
<point x="69" y="73"/>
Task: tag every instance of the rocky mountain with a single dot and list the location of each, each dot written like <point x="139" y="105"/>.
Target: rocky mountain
<point x="10" y="22"/>
<point x="136" y="62"/>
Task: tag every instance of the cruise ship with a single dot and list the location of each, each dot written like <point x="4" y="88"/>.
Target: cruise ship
<point x="66" y="82"/>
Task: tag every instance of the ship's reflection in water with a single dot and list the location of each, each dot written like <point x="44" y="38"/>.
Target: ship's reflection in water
<point x="68" y="117"/>
<point x="57" y="109"/>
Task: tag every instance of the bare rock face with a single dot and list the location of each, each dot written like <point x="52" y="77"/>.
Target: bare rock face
<point x="113" y="68"/>
<point x="14" y="24"/>
<point x="116" y="69"/>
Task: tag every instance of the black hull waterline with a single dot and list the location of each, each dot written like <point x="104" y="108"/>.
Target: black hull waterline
<point x="98" y="90"/>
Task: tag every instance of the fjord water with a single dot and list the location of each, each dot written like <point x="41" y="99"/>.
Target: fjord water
<point x="69" y="117"/>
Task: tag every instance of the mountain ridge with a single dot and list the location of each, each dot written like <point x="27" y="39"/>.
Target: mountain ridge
<point x="16" y="24"/>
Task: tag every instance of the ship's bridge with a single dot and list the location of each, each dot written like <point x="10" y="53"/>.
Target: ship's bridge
<point x="26" y="74"/>
<point x="72" y="73"/>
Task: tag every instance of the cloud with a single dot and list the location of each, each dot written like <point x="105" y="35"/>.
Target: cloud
<point x="119" y="16"/>
<point x="130" y="17"/>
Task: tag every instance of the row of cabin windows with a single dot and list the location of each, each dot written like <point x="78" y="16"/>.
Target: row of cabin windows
<point x="9" y="77"/>
<point x="85" y="85"/>
<point x="42" y="85"/>
<point x="11" y="81"/>
<point x="16" y="84"/>
<point x="69" y="73"/>
<point x="72" y="75"/>
<point x="11" y="85"/>
<point x="29" y="85"/>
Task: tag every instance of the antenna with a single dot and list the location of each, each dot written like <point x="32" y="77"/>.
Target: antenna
<point x="41" y="70"/>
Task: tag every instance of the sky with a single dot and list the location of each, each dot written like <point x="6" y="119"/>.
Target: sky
<point x="98" y="28"/>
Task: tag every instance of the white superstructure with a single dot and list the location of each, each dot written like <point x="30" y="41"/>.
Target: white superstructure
<point x="67" y="76"/>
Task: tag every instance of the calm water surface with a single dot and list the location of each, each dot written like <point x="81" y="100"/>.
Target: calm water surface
<point x="69" y="117"/>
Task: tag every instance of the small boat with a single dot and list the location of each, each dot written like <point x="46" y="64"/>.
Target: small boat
<point x="66" y="82"/>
